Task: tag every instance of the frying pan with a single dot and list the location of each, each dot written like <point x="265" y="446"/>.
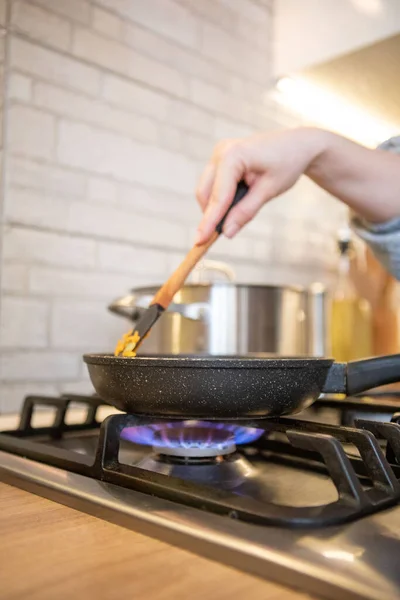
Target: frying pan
<point x="228" y="388"/>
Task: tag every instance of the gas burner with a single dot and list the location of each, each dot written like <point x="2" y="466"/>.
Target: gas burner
<point x="227" y="472"/>
<point x="201" y="451"/>
<point x="193" y="441"/>
<point x="213" y="438"/>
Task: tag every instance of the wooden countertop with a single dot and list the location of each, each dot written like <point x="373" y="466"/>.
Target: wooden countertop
<point x="50" y="551"/>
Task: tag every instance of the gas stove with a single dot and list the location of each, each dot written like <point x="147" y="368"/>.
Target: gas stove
<point x="312" y="502"/>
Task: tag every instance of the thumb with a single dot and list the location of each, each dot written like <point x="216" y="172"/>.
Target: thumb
<point x="260" y="192"/>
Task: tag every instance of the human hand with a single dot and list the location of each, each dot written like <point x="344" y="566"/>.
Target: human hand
<point x="269" y="163"/>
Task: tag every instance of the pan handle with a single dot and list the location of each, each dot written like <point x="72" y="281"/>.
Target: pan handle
<point x="363" y="375"/>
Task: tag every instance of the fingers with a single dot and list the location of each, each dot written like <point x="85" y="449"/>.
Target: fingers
<point x="221" y="198"/>
<point x="271" y="164"/>
<point x="206" y="181"/>
<point x="260" y="192"/>
<point x="205" y="184"/>
<point x="220" y="183"/>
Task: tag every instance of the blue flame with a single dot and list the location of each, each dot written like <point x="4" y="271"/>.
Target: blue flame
<point x="158" y="434"/>
<point x="193" y="436"/>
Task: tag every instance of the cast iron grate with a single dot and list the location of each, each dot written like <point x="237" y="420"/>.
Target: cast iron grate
<point x="315" y="445"/>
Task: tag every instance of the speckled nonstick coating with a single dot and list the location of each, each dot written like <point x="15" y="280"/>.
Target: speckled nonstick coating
<point x="208" y="387"/>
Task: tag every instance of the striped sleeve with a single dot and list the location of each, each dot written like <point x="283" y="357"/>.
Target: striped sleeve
<point x="383" y="238"/>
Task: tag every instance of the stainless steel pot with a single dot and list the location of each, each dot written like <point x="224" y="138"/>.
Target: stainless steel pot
<point x="225" y="318"/>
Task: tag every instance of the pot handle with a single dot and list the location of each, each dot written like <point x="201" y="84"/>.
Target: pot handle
<point x="212" y="265"/>
<point x="363" y="375"/>
<point x="132" y="307"/>
<point x="126" y="307"/>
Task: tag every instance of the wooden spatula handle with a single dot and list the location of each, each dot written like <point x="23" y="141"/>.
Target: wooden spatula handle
<point x="166" y="293"/>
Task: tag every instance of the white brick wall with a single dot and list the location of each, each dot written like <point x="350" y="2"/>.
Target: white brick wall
<point x="76" y="10"/>
<point x="112" y="108"/>
<point x="165" y="205"/>
<point x="114" y="155"/>
<point x="134" y="97"/>
<point x="96" y="329"/>
<point x="14" y="278"/>
<point x="121" y="59"/>
<point x="32" y="208"/>
<point x="57" y="283"/>
<point x="179" y="57"/>
<point x="11" y="393"/>
<point x="20" y="87"/>
<point x="102" y="189"/>
<point x="47" y="366"/>
<point x="124" y="258"/>
<point x="106" y="23"/>
<point x="31" y="132"/>
<point x="165" y="17"/>
<point x="41" y="25"/>
<point x="38" y="61"/>
<point x="23" y="323"/>
<point x="65" y="103"/>
<point x="3" y="12"/>
<point x="191" y="117"/>
<point x="117" y="224"/>
<point x="49" y="179"/>
<point x="47" y="248"/>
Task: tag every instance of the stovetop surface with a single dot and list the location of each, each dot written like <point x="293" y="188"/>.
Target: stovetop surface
<point x="356" y="559"/>
<point x="265" y="480"/>
<point x="359" y="560"/>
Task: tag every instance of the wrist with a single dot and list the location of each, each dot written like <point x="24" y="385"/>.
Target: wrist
<point x="316" y="143"/>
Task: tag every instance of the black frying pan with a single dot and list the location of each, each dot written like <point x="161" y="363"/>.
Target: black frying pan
<point x="230" y="388"/>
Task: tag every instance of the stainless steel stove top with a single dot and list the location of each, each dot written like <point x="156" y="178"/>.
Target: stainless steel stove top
<point x="357" y="559"/>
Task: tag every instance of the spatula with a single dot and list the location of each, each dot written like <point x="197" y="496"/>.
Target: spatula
<point x="132" y="340"/>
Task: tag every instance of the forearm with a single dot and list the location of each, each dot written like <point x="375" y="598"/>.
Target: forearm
<point x="368" y="181"/>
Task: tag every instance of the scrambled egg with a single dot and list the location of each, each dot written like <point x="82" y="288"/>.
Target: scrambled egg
<point x="126" y="346"/>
